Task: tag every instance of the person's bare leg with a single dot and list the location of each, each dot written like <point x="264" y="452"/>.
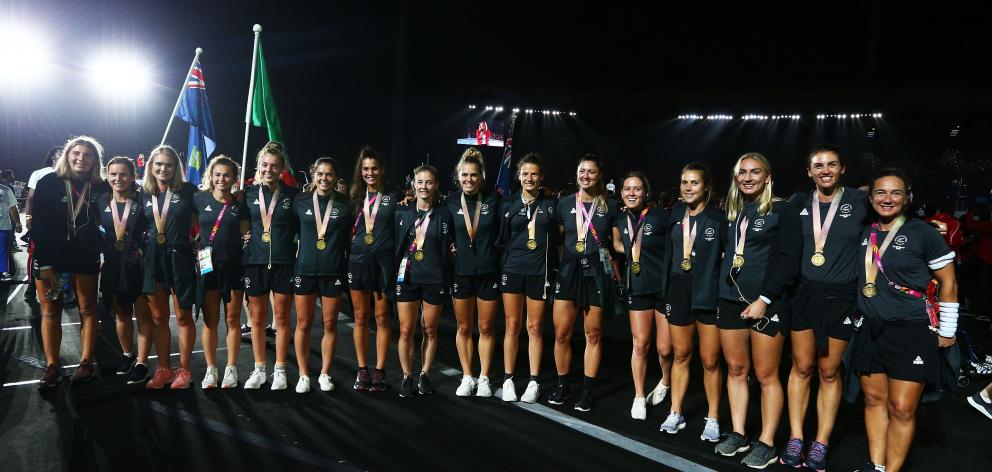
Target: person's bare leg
<point x="709" y="354"/>
<point x="431" y="315"/>
<point x="211" y="320"/>
<point x="465" y="327"/>
<point x="803" y="358"/>
<point x="513" y="304"/>
<point x="283" y="306"/>
<point x="232" y="313"/>
<point x="564" y="320"/>
<point x="904" y="397"/>
<point x="535" y="334"/>
<point x="682" y="345"/>
<point x="830" y="391"/>
<point x="329" y="308"/>
<point x="360" y="334"/>
<point x="876" y="390"/>
<point x="301" y="340"/>
<point x="736" y="347"/>
<point x="766" y="354"/>
<point x="640" y="336"/>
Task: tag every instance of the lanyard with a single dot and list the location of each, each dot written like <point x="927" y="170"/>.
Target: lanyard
<point x="820" y="233"/>
<point x="583" y="223"/>
<point x="160" y="216"/>
<point x="81" y="198"/>
<point x="266" y="212"/>
<point x="213" y="232"/>
<point x="420" y="233"/>
<point x="120" y="224"/>
<point x="471" y="226"/>
<point x="322" y="222"/>
<point x="873" y="256"/>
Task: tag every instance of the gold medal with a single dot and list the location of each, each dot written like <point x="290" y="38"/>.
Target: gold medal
<point x="266" y="237"/>
<point x="368" y="239"/>
<point x="818" y="259"/>
<point x="160" y="239"/>
<point x="869" y="290"/>
<point x="321" y="245"/>
<point x="418" y="255"/>
<point x="580" y="247"/>
<point x="636" y="267"/>
<point x="738" y="261"/>
<point x="119" y="244"/>
<point x="686" y="264"/>
<point x="532" y="244"/>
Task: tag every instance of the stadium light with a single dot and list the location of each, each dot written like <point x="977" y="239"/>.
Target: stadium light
<point x="120" y="74"/>
<point x="24" y="52"/>
<point x="471" y="107"/>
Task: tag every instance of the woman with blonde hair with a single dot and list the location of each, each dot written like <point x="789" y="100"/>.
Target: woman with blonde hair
<point x="760" y="262"/>
<point x="476" y="226"/>
<point x="170" y="270"/>
<point x="67" y="240"/>
<point x="269" y="260"/>
<point x="223" y="221"/>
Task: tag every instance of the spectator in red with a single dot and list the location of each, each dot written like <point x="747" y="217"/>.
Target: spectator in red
<point x="979" y="227"/>
<point x="945" y="214"/>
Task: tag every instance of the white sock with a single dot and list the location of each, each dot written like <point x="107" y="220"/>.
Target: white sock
<point x="879" y="468"/>
<point x="985" y="396"/>
<point x="260" y="367"/>
<point x="280" y="367"/>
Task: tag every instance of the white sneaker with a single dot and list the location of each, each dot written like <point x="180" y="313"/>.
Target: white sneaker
<point x="711" y="432"/>
<point x="255" y="380"/>
<point x="466" y="387"/>
<point x="326" y="385"/>
<point x="673" y="424"/>
<point x="658" y="394"/>
<point x="482" y="389"/>
<point x="532" y="393"/>
<point x="279" y="379"/>
<point x="230" y="377"/>
<point x="210" y="378"/>
<point x="303" y="386"/>
<point x="509" y="391"/>
<point x="639" y="410"/>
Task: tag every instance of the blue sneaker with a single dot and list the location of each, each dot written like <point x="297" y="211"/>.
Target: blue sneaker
<point x="793" y="454"/>
<point x="816" y="457"/>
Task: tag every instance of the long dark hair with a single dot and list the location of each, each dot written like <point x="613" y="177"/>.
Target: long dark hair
<point x="704" y="171"/>
<point x="358" y="185"/>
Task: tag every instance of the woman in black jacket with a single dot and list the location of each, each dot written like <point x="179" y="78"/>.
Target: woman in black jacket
<point x="67" y="242"/>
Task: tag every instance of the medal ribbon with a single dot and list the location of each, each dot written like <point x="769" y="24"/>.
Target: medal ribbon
<point x="370" y="209"/>
<point x="213" y="232"/>
<point x="160" y="216"/>
<point x="873" y="257"/>
<point x="471" y="226"/>
<point x="531" y="218"/>
<point x="81" y="199"/>
<point x="120" y="224"/>
<point x="583" y="220"/>
<point x="266" y="213"/>
<point x="322" y="222"/>
<point x="820" y="233"/>
<point x="688" y="235"/>
<point x="741" y="237"/>
<point x="420" y="228"/>
<point x="636" y="235"/>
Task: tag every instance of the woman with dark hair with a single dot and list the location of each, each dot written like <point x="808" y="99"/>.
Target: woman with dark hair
<point x="528" y="234"/>
<point x="697" y="234"/>
<point x="223" y="223"/>
<point x="833" y="217"/>
<point x="67" y="240"/>
<point x="269" y="260"/>
<point x="424" y="241"/>
<point x="169" y="264"/>
<point x="476" y="263"/>
<point x="371" y="268"/>
<point x="124" y="225"/>
<point x="761" y="260"/>
<point x="583" y="282"/>
<point x="896" y="346"/>
<point x="324" y="217"/>
<point x="638" y="233"/>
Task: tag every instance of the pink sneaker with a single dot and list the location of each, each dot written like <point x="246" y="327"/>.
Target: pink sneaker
<point x="161" y="377"/>
<point x="183" y="379"/>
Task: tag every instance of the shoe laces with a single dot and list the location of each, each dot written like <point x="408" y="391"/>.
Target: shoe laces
<point x="378" y="376"/>
<point x="817" y="452"/>
<point x="794" y="447"/>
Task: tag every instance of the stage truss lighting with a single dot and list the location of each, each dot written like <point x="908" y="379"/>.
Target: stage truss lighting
<point x="120" y="75"/>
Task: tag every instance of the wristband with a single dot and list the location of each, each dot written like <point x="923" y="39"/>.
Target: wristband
<point x="765" y="299"/>
<point x="948" y="319"/>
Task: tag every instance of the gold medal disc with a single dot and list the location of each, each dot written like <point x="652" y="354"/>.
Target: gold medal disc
<point x="321" y="244"/>
<point x="418" y="255"/>
<point x="266" y="237"/>
<point x="636" y="267"/>
<point x="869" y="290"/>
<point x="818" y="259"/>
<point x="580" y="247"/>
<point x="119" y="244"/>
<point x="160" y="239"/>
<point x="532" y="244"/>
<point x="368" y="239"/>
<point x="738" y="261"/>
<point x="686" y="264"/>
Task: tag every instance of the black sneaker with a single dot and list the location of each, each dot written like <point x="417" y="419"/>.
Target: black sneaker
<point x="85" y="372"/>
<point x="867" y="467"/>
<point x="378" y="381"/>
<point x="732" y="444"/>
<point x="584" y="403"/>
<point x="424" y="385"/>
<point x="761" y="456"/>
<point x="560" y="394"/>
<point x="127" y="362"/>
<point x="362" y="380"/>
<point x="29" y="294"/>
<point x="51" y="377"/>
<point x="792" y="456"/>
<point x="406" y="388"/>
<point x="981" y="405"/>
<point x="270" y="331"/>
<point x="245" y="331"/>
<point x="139" y="374"/>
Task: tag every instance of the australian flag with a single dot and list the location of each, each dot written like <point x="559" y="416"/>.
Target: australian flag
<point x="505" y="166"/>
<point x="195" y="110"/>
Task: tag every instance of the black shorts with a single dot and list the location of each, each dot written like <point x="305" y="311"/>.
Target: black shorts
<point x="574" y="288"/>
<point x="728" y="316"/>
<point x="369" y="275"/>
<point x="679" y="303"/>
<point x="259" y="279"/>
<point x="534" y="286"/>
<point x="414" y="292"/>
<point x="647" y="301"/>
<point x="173" y="268"/>
<point x="226" y="277"/>
<point x="827" y="315"/>
<point x="483" y="286"/>
<point x="902" y="352"/>
<point x="326" y="286"/>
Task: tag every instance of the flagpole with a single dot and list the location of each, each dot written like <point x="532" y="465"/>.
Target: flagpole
<point x="182" y="91"/>
<point x="251" y="91"/>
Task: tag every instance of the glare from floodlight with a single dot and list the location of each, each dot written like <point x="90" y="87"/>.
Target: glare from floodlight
<point x="120" y="75"/>
<point x="24" y="53"/>
<point x="471" y="107"/>
<point x="516" y="110"/>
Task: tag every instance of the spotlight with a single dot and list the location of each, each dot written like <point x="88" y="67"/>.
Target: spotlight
<point x="529" y="110"/>
<point x="489" y="108"/>
<point x="120" y="75"/>
<point x="471" y="107"/>
<point x="571" y="113"/>
<point x="516" y="110"/>
<point x="25" y="54"/>
<point x="499" y="108"/>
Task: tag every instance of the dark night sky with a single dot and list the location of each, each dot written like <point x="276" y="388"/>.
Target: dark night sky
<point x="398" y="75"/>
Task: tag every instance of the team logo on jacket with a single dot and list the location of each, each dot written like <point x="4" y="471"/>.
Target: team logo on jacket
<point x="285" y="204"/>
<point x="900" y="242"/>
<point x="334" y="213"/>
<point x="308" y="212"/>
<point x="485" y="208"/>
<point x="710" y="234"/>
<point x="648" y="229"/>
<point x="444" y="228"/>
<point x="845" y="210"/>
<point x="247" y="282"/>
<point x="668" y="309"/>
<point x="864" y="242"/>
<point x="804" y="212"/>
<point x="207" y="208"/>
<point x="399" y="289"/>
<point x="759" y="224"/>
<point x="175" y="198"/>
<point x="107" y="210"/>
<point x="349" y="277"/>
<point x="503" y="279"/>
<point x="234" y="210"/>
<point x="298" y="281"/>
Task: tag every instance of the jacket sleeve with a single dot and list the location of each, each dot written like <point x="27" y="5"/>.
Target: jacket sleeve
<point x="45" y="227"/>
<point x="783" y="265"/>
